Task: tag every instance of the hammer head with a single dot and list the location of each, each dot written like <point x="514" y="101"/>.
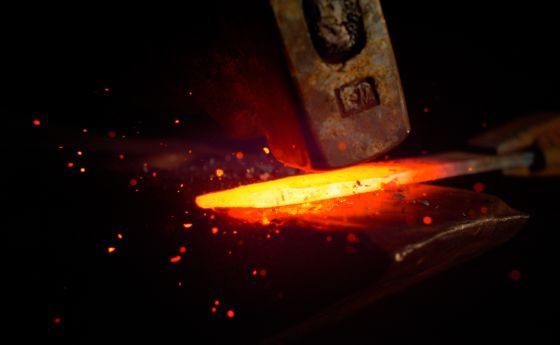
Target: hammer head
<point x="317" y="77"/>
<point x="346" y="81"/>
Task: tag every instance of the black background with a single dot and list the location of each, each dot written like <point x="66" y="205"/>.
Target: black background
<point x="469" y="63"/>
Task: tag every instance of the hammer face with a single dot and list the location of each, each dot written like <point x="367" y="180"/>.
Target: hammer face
<point x="346" y="78"/>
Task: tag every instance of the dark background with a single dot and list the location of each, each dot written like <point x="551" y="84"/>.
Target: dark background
<point x="473" y="66"/>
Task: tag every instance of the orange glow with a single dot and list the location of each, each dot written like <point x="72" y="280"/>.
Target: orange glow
<point x="427" y="220"/>
<point x="79" y="153"/>
<point x="342" y="146"/>
<point x="214" y="230"/>
<point x="175" y="259"/>
<point x="219" y="172"/>
<point x="363" y="178"/>
<point x="239" y="155"/>
<point x="266" y="150"/>
<point x="230" y="314"/>
<point x="82" y="170"/>
<point x="120" y="236"/>
<point x="111" y="249"/>
<point x="187" y="225"/>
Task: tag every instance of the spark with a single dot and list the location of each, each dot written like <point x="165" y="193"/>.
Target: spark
<point x="175" y="259"/>
<point x="219" y="172"/>
<point x="79" y="153"/>
<point x="82" y="170"/>
<point x="187" y="225"/>
<point x="239" y="155"/>
<point x="133" y="182"/>
<point x="36" y="122"/>
<point x="478" y="187"/>
<point x="214" y="230"/>
<point x="85" y="130"/>
<point x="217" y="302"/>
<point x="266" y="150"/>
<point x="111" y="250"/>
<point x="214" y="309"/>
<point x="106" y="89"/>
<point x="120" y="236"/>
<point x="230" y="314"/>
<point x="70" y="164"/>
<point x="427" y="220"/>
<point x="352" y="238"/>
<point x="177" y="121"/>
<point x="183" y="250"/>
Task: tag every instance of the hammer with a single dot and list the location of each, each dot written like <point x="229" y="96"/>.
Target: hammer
<point x="318" y="78"/>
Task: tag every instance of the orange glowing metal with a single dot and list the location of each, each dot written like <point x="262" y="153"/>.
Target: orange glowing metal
<point x="358" y="179"/>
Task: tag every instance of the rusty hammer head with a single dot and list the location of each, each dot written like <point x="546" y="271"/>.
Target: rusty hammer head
<point x="344" y="71"/>
<point x="329" y="94"/>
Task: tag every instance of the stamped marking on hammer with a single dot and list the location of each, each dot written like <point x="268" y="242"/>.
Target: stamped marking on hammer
<point x="357" y="96"/>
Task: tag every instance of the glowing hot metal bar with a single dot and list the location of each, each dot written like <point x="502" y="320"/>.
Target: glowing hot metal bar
<point x="357" y="179"/>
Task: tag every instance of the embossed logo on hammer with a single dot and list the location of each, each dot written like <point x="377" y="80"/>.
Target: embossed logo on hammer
<point x="357" y="96"/>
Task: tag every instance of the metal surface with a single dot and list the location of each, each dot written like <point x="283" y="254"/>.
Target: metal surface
<point x="342" y="64"/>
<point x="539" y="132"/>
<point x="463" y="224"/>
<point x="361" y="178"/>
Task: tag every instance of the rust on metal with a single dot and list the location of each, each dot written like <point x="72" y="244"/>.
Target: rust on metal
<point x="342" y="64"/>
